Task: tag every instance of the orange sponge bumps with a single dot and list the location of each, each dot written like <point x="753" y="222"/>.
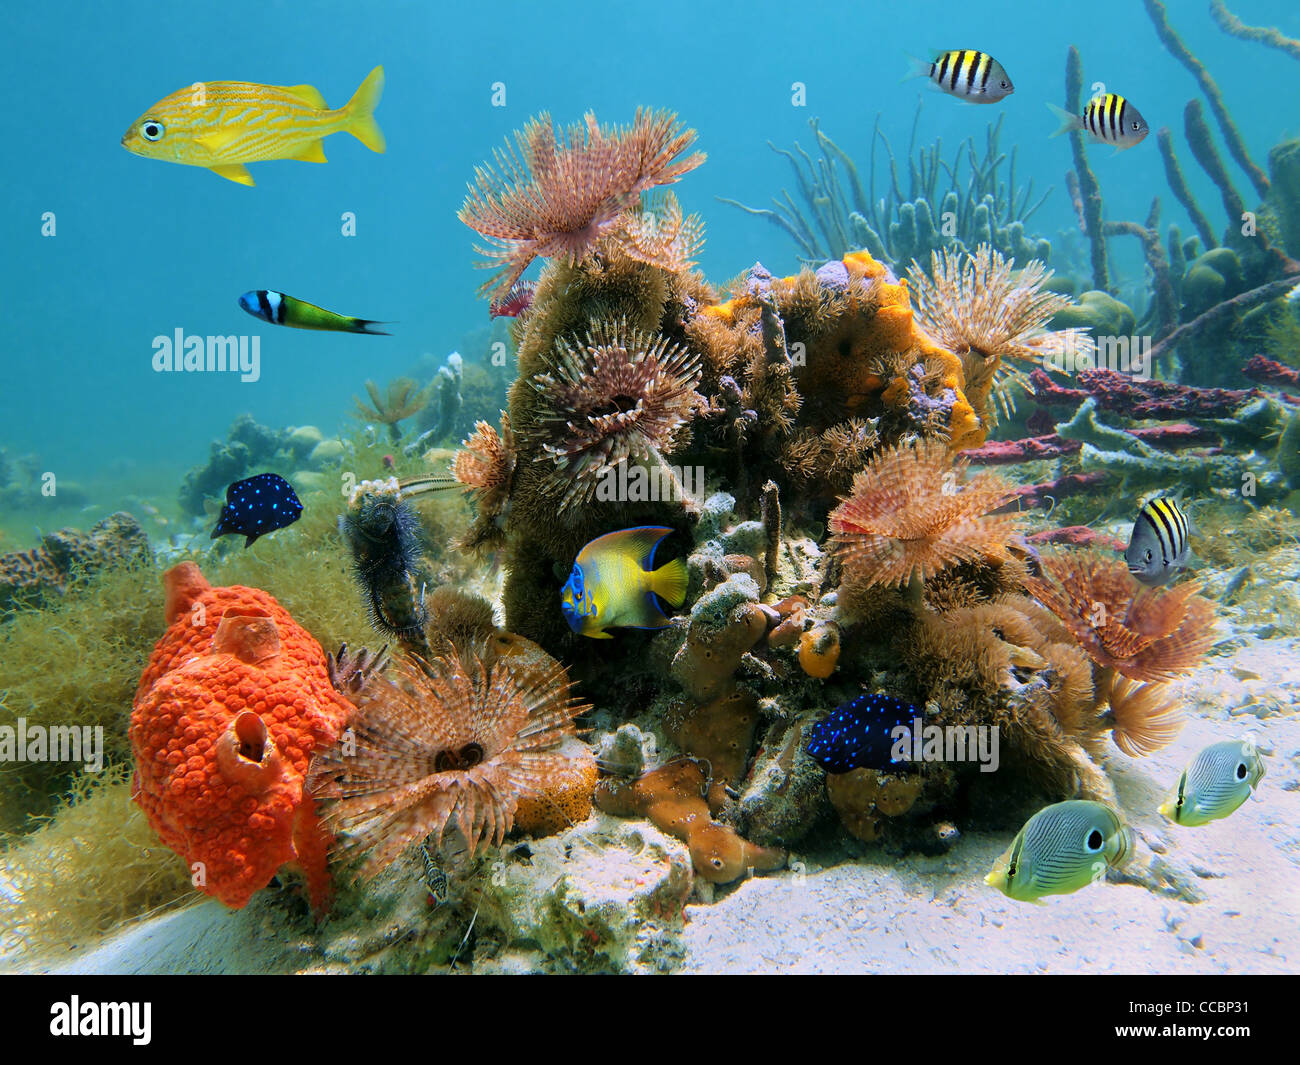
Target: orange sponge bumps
<point x="233" y="702"/>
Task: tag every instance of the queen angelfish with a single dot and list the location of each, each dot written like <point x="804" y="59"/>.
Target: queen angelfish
<point x="614" y="583"/>
<point x="1217" y="781"/>
<point x="1062" y="848"/>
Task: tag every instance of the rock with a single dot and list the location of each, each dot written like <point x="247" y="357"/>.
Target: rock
<point x="309" y="481"/>
<point x="1100" y="312"/>
<point x="326" y="453"/>
<point x="302" y="440"/>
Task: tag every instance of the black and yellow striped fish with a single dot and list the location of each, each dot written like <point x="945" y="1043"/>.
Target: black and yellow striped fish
<point x="1158" y="549"/>
<point x="975" y="77"/>
<point x="1109" y="118"/>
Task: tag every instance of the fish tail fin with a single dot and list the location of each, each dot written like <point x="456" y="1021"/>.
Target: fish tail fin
<point x="916" y="68"/>
<point x="669" y="582"/>
<point x="365" y="325"/>
<point x="361" y="111"/>
<point x="1069" y="122"/>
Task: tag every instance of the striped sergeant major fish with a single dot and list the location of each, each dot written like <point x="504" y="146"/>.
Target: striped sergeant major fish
<point x="1158" y="549"/>
<point x="975" y="77"/>
<point x="1108" y="118"/>
<point x="279" y="309"/>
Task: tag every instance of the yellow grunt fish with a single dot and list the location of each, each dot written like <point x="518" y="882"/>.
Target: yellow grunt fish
<point x="222" y="125"/>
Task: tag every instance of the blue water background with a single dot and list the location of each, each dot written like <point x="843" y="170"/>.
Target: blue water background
<point x="144" y="247"/>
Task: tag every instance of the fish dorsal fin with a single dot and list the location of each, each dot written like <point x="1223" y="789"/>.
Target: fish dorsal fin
<point x="308" y="94"/>
<point x="638" y="543"/>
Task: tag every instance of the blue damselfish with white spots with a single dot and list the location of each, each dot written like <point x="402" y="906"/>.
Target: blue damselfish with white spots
<point x="859" y="734"/>
<point x="256" y="506"/>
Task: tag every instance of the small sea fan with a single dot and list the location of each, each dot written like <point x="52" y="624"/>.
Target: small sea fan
<point x="978" y="307"/>
<point x="442" y="743"/>
<point x="620" y="397"/>
<point x="1144" y="633"/>
<point x="1146" y="716"/>
<point x="908" y="515"/>
<point x="560" y="194"/>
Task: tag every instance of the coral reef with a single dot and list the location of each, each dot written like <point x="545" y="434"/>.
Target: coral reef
<point x="32" y="578"/>
<point x="233" y="702"/>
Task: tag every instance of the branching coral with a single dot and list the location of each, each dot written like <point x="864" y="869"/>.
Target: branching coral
<point x="562" y="192"/>
<point x="1144" y="633"/>
<point x="401" y="399"/>
<point x="442" y="743"/>
<point x="992" y="317"/>
<point x="909" y="516"/>
<point x="620" y="397"/>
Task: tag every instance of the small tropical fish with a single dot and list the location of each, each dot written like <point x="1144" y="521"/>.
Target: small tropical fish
<point x="1217" y="781"/>
<point x="975" y="77"/>
<point x="222" y="125"/>
<point x="1158" y="549"/>
<point x="256" y="506"/>
<point x="435" y="878"/>
<point x="279" y="309"/>
<point x="614" y="583"/>
<point x="514" y="302"/>
<point x="858" y="735"/>
<point x="1109" y="118"/>
<point x="1062" y="848"/>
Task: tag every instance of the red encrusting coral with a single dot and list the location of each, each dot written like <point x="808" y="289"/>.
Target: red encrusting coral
<point x="1157" y="400"/>
<point x="235" y="699"/>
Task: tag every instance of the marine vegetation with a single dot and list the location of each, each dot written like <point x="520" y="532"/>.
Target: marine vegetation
<point x="401" y="399"/>
<point x="836" y="213"/>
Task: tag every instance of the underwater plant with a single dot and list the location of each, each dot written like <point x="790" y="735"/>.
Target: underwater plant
<point x="992" y="317"/>
<point x="401" y="399"/>
<point x="442" y="743"/>
<point x="565" y="190"/>
<point x="619" y="397"/>
<point x="839" y="215"/>
<point x="908" y="517"/>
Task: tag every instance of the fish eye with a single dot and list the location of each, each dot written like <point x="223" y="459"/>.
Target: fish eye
<point x="151" y="130"/>
<point x="1137" y="126"/>
<point x="1148" y="556"/>
<point x="1241" y="770"/>
<point x="1004" y="84"/>
<point x="1094" y="840"/>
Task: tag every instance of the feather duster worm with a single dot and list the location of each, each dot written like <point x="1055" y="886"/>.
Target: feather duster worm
<point x="1147" y="634"/>
<point x="992" y="317"/>
<point x="485" y="464"/>
<point x="909" y="517"/>
<point x="620" y="397"/>
<point x="443" y="743"/>
<point x="1145" y="717"/>
<point x="561" y="193"/>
